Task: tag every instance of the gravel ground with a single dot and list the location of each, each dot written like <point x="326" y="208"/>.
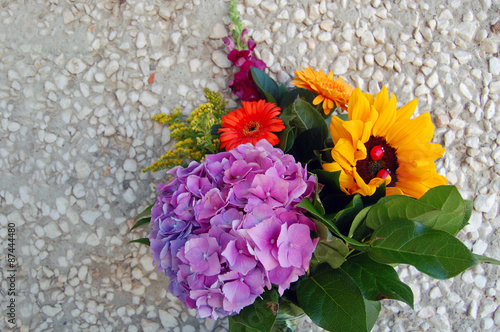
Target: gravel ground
<point x="76" y="129"/>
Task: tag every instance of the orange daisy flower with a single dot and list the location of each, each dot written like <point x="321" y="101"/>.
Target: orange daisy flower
<point x="254" y="121"/>
<point x="330" y="92"/>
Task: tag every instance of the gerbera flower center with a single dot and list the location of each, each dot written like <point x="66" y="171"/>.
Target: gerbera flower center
<point x="251" y="128"/>
<point x="376" y="164"/>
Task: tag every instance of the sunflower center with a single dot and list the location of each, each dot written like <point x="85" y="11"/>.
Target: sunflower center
<point x="251" y="127"/>
<point x="378" y="166"/>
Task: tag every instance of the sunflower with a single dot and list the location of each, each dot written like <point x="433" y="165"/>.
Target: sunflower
<point x="254" y="121"/>
<point x="380" y="143"/>
<point x="329" y="91"/>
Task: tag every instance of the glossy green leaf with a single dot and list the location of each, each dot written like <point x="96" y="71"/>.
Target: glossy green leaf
<point x="332" y="252"/>
<point x="266" y="85"/>
<point x="441" y="208"/>
<point x="345" y="217"/>
<point x="332" y="300"/>
<point x="372" y="313"/>
<point x="141" y="222"/>
<point x="259" y="316"/>
<point x="377" y="281"/>
<point x="307" y="117"/>
<point x="358" y="221"/>
<point x="306" y="204"/>
<point x="141" y="241"/>
<point x="433" y="252"/>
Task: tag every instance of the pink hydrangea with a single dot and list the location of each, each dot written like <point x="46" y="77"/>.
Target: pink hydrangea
<point x="226" y="229"/>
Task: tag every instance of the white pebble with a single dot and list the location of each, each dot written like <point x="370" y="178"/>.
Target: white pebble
<point x="221" y="60"/>
<point x="90" y="217"/>
<point x="298" y="15"/>
<point x="76" y="66"/>
<point x="52" y="230"/>
<point x="141" y="40"/>
<point x="484" y="203"/>
<point x="130" y="165"/>
<point x="341" y="65"/>
<point x="148" y="99"/>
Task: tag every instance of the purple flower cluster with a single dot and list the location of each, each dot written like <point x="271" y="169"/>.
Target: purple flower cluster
<point x="243" y="85"/>
<point x="228" y="227"/>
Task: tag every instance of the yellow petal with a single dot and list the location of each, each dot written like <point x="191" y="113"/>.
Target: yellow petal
<point x="418" y="130"/>
<point x="318" y="99"/>
<point x="386" y="113"/>
<point x="343" y="153"/>
<point x="405" y="112"/>
<point x="358" y="108"/>
<point x="337" y="129"/>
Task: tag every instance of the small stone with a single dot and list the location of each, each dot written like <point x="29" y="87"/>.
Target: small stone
<point x="130" y="165"/>
<point x="494" y="63"/>
<point x="252" y="3"/>
<point x="111" y="68"/>
<point x="79" y="190"/>
<point x="341" y="65"/>
<point x="93" y="240"/>
<point x="433" y="80"/>
<point x="90" y="217"/>
<point x="148" y="99"/>
<point x="260" y="36"/>
<point x="82" y="169"/>
<point x="484" y="203"/>
<point x="298" y="15"/>
<point x="467" y="30"/>
<point x="68" y="16"/>
<point x="141" y="40"/>
<point x="368" y="40"/>
<point x="52" y="230"/>
<point x="473" y="309"/>
<point x="129" y="196"/>
<point x="51" y="311"/>
<point x="379" y="34"/>
<point x="327" y="25"/>
<point x="62" y="205"/>
<point x="82" y="272"/>
<point x="465" y="91"/>
<point x="168" y="320"/>
<point x="218" y="31"/>
<point x="149" y="326"/>
<point x="462" y="57"/>
<point x="221" y="60"/>
<point x="75" y="66"/>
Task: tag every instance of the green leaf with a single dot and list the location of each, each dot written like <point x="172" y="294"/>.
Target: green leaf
<point x="141" y="222"/>
<point x="306" y="144"/>
<point x="433" y="252"/>
<point x="444" y="198"/>
<point x="441" y="208"/>
<point x="289" y="97"/>
<point x="306" y="204"/>
<point x="143" y="218"/>
<point x="487" y="260"/>
<point x="332" y="252"/>
<point x="307" y="117"/>
<point x="332" y="300"/>
<point x="372" y="312"/>
<point x="259" y="316"/>
<point x="141" y="241"/>
<point x="358" y="220"/>
<point x="287" y="138"/>
<point x="266" y="85"/>
<point x="467" y="213"/>
<point x="345" y="217"/>
<point x="377" y="281"/>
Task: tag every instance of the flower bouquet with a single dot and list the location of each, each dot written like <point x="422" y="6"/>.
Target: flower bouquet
<point x="301" y="202"/>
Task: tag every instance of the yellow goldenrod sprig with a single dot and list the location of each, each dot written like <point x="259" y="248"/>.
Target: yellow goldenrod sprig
<point x="195" y="137"/>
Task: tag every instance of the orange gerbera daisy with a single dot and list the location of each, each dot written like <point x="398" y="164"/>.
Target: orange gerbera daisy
<point x="330" y="92"/>
<point x="380" y="143"/>
<point x="254" y="121"/>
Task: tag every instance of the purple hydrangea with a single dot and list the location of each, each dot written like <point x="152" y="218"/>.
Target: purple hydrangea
<point x="226" y="228"/>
